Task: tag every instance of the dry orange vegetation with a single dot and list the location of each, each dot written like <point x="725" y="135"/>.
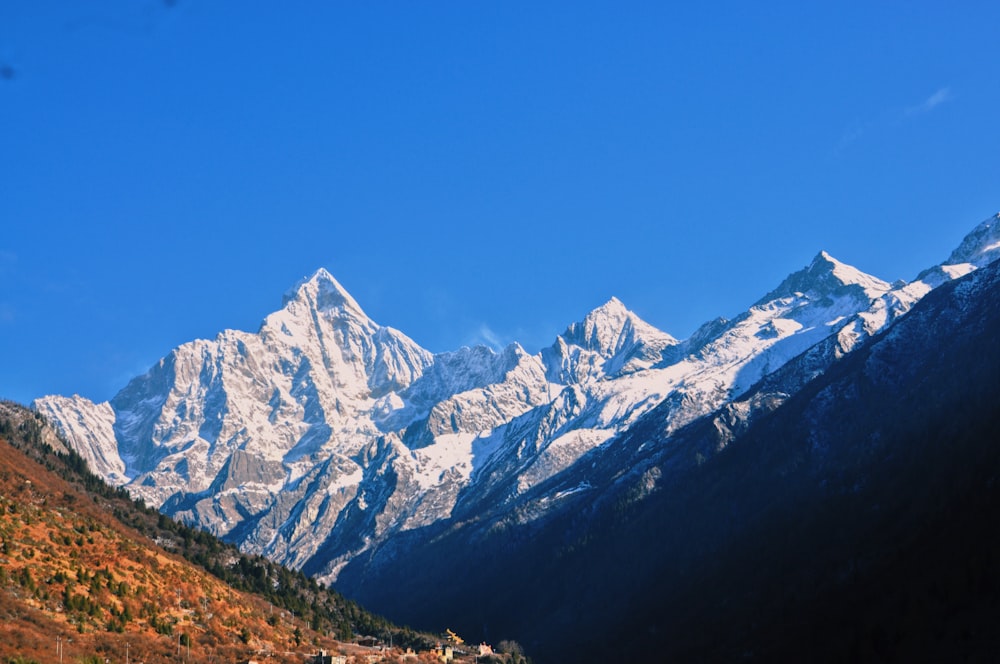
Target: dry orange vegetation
<point x="71" y="573"/>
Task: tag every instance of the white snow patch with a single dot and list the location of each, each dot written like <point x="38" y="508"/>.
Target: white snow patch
<point x="582" y="486"/>
<point x="961" y="269"/>
<point x="346" y="480"/>
<point x="449" y="452"/>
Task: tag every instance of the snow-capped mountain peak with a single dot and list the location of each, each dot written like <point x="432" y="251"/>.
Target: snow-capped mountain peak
<point x="824" y="276"/>
<point x="610" y="340"/>
<point x="600" y="329"/>
<point x="325" y="293"/>
<point x="604" y="329"/>
<point x="980" y="246"/>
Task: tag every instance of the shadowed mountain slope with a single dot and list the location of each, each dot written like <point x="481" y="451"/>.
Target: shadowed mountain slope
<point x="851" y="521"/>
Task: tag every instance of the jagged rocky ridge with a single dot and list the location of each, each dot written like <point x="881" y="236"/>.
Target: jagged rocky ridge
<point x="324" y="436"/>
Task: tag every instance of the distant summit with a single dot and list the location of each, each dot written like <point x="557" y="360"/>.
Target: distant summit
<point x="609" y="340"/>
<point x="825" y="275"/>
<point x="980" y="246"/>
<point x="324" y="292"/>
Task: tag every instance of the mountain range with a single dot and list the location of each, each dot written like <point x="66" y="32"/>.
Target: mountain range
<point x="850" y="520"/>
<point x="341" y="448"/>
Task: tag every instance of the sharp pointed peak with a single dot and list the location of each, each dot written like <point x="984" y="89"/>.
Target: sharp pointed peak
<point x="323" y="289"/>
<point x="605" y="323"/>
<point x="823" y="275"/>
<point x="321" y="274"/>
<point x="824" y="262"/>
<point x="613" y="307"/>
<point x="611" y="314"/>
<point x="824" y="257"/>
<point x="981" y="246"/>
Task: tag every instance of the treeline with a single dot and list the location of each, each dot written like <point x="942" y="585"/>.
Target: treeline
<point x="322" y="608"/>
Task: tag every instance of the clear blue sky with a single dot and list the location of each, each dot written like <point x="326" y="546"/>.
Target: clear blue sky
<point x="469" y="171"/>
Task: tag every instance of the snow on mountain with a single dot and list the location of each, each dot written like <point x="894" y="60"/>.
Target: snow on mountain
<point x="981" y="246"/>
<point x="897" y="430"/>
<point x="324" y="434"/>
<point x="470" y="390"/>
<point x="90" y="428"/>
<point x="686" y="380"/>
<point x="610" y="341"/>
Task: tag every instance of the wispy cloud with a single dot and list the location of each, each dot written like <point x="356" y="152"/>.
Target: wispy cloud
<point x="927" y="105"/>
<point x="485" y="335"/>
<point x="850" y="135"/>
<point x="891" y="118"/>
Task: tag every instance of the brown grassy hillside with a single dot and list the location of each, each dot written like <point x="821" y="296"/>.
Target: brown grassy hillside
<point x="69" y="570"/>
